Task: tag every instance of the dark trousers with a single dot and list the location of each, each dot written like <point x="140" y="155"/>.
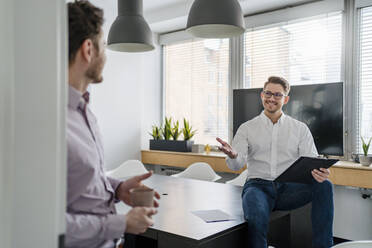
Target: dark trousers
<point x="260" y="197"/>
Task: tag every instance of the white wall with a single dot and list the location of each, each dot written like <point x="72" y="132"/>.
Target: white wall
<point x="151" y="93"/>
<point x="32" y="129"/>
<point x="128" y="99"/>
<point x="353" y="214"/>
<point x="6" y="75"/>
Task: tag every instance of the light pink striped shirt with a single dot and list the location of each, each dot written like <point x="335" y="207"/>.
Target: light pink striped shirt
<point x="91" y="217"/>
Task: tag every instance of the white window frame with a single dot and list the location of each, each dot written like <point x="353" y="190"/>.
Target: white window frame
<point x="353" y="11"/>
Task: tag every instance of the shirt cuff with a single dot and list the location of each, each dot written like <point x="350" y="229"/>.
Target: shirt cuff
<point x="234" y="163"/>
<point x="116" y="227"/>
<point x="114" y="184"/>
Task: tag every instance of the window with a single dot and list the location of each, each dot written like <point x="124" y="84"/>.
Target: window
<point x="196" y="71"/>
<point x="196" y="86"/>
<point x="365" y="77"/>
<point x="211" y="76"/>
<point x="222" y="78"/>
<point x="303" y="52"/>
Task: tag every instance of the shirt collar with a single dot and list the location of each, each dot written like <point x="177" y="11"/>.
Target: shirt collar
<point x="282" y="118"/>
<point x="268" y="121"/>
<point x="75" y="98"/>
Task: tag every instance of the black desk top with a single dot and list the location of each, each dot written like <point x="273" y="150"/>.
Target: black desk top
<point x="185" y="195"/>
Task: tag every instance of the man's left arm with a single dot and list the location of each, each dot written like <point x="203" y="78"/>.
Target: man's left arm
<point x="307" y="148"/>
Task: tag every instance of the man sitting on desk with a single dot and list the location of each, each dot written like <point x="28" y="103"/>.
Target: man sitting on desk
<point x="91" y="218"/>
<point x="268" y="145"/>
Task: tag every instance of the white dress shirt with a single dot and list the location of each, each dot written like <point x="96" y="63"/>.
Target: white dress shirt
<point x="269" y="149"/>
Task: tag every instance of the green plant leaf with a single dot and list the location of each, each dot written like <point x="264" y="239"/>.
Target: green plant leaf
<point x="187" y="131"/>
<point x="167" y="129"/>
<point x="365" y="146"/>
<point x="175" y="130"/>
<point x="156" y="132"/>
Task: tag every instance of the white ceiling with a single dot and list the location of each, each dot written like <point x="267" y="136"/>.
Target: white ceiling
<point x="248" y="6"/>
<point x="150" y="5"/>
<point x="167" y="15"/>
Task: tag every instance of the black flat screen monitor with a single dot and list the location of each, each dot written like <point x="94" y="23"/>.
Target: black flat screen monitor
<point x="320" y="106"/>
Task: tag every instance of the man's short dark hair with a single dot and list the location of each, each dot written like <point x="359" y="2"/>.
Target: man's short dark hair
<point x="84" y="22"/>
<point x="279" y="80"/>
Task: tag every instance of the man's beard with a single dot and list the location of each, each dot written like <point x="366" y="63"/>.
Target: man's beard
<point x="95" y="72"/>
<point x="272" y="111"/>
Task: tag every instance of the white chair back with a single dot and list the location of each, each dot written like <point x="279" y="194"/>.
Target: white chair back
<point x="129" y="168"/>
<point x="355" y="244"/>
<point x="200" y="171"/>
<point x="239" y="180"/>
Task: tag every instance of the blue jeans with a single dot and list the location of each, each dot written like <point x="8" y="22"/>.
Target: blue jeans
<point x="260" y="197"/>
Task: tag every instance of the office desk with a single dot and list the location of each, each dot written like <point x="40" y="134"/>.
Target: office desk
<point x="175" y="226"/>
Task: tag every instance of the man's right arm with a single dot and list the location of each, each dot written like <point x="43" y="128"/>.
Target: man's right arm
<point x="240" y="147"/>
<point x="82" y="227"/>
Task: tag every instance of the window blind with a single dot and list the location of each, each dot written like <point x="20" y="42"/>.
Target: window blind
<point x="196" y="86"/>
<point x="304" y="51"/>
<point x="365" y="78"/>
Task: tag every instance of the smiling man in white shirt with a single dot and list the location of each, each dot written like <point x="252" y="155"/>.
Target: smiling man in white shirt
<point x="268" y="144"/>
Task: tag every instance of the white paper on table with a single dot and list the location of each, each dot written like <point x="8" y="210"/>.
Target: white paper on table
<point x="214" y="215"/>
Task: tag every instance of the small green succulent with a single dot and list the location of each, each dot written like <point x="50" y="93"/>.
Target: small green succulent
<point x="167" y="129"/>
<point x="156" y="133"/>
<point x="176" y="132"/>
<point x="365" y="146"/>
<point x="187" y="131"/>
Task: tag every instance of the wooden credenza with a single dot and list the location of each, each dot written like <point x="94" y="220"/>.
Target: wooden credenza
<point x="343" y="173"/>
<point x="184" y="159"/>
<point x="351" y="174"/>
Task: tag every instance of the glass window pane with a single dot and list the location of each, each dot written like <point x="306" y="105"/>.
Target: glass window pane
<point x="196" y="86"/>
<point x="365" y="78"/>
<point x="303" y="52"/>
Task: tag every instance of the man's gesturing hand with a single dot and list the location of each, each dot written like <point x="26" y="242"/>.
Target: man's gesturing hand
<point x="226" y="148"/>
<point x="123" y="194"/>
<point x="139" y="219"/>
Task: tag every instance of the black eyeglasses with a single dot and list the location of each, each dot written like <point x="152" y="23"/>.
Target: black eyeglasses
<point x="277" y="95"/>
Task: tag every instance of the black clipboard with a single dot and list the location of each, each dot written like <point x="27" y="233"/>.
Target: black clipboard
<point x="300" y="170"/>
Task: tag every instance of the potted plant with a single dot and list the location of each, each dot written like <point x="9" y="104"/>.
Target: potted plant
<point x="176" y="131"/>
<point x="170" y="134"/>
<point x="187" y="131"/>
<point x="167" y="129"/>
<point x="364" y="159"/>
<point x="156" y="133"/>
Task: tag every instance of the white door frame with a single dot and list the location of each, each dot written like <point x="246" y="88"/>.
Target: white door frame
<point x="33" y="64"/>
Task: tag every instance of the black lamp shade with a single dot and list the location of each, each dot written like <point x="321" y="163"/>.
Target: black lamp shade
<point x="130" y="32"/>
<point x="215" y="19"/>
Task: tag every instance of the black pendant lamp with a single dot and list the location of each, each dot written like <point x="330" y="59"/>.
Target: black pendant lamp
<point x="215" y="19"/>
<point x="130" y="32"/>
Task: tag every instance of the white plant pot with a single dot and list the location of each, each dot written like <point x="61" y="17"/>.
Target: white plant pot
<point x="364" y="160"/>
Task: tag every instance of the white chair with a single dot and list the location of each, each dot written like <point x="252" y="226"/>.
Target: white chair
<point x="355" y="244"/>
<point x="200" y="171"/>
<point x="129" y="168"/>
<point x="239" y="180"/>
